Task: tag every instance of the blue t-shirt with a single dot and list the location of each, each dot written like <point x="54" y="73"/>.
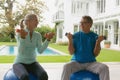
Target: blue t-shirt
<point x="84" y="44"/>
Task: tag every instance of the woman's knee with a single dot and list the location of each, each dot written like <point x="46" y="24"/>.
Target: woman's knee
<point x="24" y="77"/>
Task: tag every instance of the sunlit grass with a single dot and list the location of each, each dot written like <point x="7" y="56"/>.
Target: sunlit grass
<point x="106" y="55"/>
<point x="42" y="59"/>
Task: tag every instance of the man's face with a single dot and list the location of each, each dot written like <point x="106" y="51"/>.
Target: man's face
<point x="85" y="25"/>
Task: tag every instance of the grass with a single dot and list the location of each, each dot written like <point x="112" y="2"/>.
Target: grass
<point x="62" y="48"/>
<point x="41" y="59"/>
<point x="7" y="43"/>
<point x="106" y="55"/>
<point x="109" y="56"/>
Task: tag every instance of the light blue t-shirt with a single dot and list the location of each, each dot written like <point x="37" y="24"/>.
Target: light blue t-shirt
<point x="84" y="44"/>
<point x="26" y="47"/>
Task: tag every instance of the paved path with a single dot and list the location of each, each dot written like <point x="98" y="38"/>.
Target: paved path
<point x="55" y="69"/>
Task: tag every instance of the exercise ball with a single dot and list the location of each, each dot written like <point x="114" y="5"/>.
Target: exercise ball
<point x="10" y="75"/>
<point x="84" y="75"/>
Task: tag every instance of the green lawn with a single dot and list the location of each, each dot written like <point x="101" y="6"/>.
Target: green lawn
<point x="7" y="43"/>
<point x="42" y="59"/>
<point x="106" y="55"/>
<point x="109" y="56"/>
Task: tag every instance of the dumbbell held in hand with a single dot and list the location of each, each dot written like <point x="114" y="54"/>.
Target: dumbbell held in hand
<point x="66" y="34"/>
<point x="18" y="30"/>
<point x="105" y="37"/>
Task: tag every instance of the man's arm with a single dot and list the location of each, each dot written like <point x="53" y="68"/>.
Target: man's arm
<point x="70" y="47"/>
<point x="97" y="48"/>
<point x="70" y="44"/>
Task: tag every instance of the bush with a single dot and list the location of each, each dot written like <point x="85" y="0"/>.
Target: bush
<point x="4" y="39"/>
<point x="107" y="42"/>
<point x="62" y="43"/>
<point x="7" y="39"/>
<point x="45" y="29"/>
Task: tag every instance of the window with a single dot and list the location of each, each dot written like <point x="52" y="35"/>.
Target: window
<point x="60" y="32"/>
<point x="61" y="6"/>
<point x="96" y="29"/>
<point x="106" y="33"/>
<point x="75" y="28"/>
<point x="87" y="5"/>
<point x="101" y="6"/>
<point x="79" y="7"/>
<point x="118" y="2"/>
<point x="100" y="30"/>
<point x="116" y="32"/>
<point x="73" y="7"/>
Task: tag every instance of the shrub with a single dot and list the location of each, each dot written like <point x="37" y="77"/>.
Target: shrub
<point x="45" y="29"/>
<point x="62" y="43"/>
<point x="107" y="42"/>
<point x="4" y="39"/>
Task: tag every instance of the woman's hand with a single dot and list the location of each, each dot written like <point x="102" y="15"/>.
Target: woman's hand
<point x="22" y="33"/>
<point x="49" y="35"/>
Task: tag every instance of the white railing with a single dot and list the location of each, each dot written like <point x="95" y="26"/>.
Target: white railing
<point x="58" y="17"/>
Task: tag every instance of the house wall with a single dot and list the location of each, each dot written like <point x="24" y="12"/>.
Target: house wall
<point x="104" y="18"/>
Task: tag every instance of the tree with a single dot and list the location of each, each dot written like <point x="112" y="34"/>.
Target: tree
<point x="12" y="18"/>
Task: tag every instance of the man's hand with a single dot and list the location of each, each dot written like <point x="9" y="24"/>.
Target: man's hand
<point x="69" y="36"/>
<point x="100" y="38"/>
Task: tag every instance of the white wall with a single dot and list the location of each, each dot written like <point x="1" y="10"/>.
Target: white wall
<point x="70" y="19"/>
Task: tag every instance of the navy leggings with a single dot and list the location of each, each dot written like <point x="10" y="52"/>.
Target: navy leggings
<point x="22" y="71"/>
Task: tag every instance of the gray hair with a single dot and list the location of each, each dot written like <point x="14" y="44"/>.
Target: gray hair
<point x="88" y="18"/>
<point x="30" y="16"/>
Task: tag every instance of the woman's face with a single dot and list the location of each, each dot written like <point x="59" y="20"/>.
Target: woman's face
<point x="32" y="23"/>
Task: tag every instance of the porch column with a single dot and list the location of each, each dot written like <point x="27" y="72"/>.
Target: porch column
<point x="104" y="27"/>
<point x="119" y="32"/>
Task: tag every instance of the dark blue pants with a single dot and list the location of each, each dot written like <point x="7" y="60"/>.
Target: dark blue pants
<point x="22" y="71"/>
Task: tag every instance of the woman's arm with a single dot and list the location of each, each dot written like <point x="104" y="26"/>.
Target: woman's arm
<point x="43" y="45"/>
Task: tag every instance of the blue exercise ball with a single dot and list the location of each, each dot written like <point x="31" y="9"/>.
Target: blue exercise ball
<point x="84" y="75"/>
<point x="10" y="75"/>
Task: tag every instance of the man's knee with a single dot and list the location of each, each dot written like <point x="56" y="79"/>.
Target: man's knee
<point x="69" y="65"/>
<point x="104" y="66"/>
